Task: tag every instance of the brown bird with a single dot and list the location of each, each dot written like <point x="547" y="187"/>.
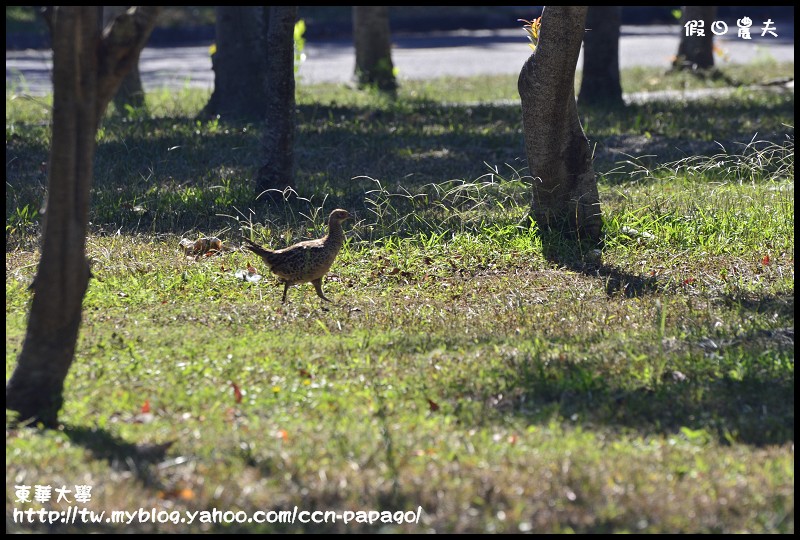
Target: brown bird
<point x="307" y="261"/>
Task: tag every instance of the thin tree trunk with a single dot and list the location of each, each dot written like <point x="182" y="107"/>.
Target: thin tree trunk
<point x="564" y="186"/>
<point x="600" y="81"/>
<point x="131" y="91"/>
<point x="371" y="36"/>
<point x="87" y="70"/>
<point x="696" y="52"/>
<point x="277" y="142"/>
<point x="239" y="64"/>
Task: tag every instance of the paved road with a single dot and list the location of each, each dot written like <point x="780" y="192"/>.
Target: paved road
<point x="461" y="53"/>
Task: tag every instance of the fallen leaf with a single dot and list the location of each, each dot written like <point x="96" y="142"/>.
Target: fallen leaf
<point x="186" y="494"/>
<point x="237" y="392"/>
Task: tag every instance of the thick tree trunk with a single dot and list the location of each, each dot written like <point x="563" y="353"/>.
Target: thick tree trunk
<point x="600" y="82"/>
<point x="239" y="64"/>
<point x="35" y="388"/>
<point x="696" y="52"/>
<point x="87" y="70"/>
<point x="565" y="196"/>
<point x="277" y="142"/>
<point x="371" y="36"/>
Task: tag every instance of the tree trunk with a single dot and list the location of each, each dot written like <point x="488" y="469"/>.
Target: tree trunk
<point x="277" y="142"/>
<point x="696" y="52"/>
<point x="131" y="91"/>
<point x="239" y="64"/>
<point x="600" y="82"/>
<point x="565" y="196"/>
<point x="371" y="36"/>
<point x="87" y="71"/>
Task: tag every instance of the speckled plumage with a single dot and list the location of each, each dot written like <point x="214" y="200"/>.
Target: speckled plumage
<point x="307" y="261"/>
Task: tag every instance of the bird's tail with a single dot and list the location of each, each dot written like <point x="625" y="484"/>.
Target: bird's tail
<point x="265" y="254"/>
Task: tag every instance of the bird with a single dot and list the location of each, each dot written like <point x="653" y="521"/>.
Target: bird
<point x="306" y="261"/>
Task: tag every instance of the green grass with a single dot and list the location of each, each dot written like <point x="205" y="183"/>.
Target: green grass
<point x="461" y="368"/>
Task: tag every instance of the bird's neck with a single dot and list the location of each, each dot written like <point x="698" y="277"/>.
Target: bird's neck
<point x="335" y="232"/>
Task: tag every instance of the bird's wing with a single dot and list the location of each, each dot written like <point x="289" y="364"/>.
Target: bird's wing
<point x="307" y="244"/>
<point x="295" y="261"/>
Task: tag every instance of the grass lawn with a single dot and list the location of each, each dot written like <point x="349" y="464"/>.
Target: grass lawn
<point x="462" y="371"/>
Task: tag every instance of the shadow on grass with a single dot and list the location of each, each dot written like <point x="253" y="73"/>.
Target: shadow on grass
<point x="754" y="410"/>
<point x="167" y="175"/>
<point x="780" y="305"/>
<point x="120" y="454"/>
<point x="585" y="257"/>
<point x="755" y="407"/>
<point x="139" y="459"/>
<point x="738" y="389"/>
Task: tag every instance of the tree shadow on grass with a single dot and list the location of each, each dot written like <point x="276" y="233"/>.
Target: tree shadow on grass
<point x="139" y="459"/>
<point x="167" y="175"/>
<point x="732" y="389"/>
<point x="585" y="257"/>
<point x="780" y="305"/>
<point x="753" y="410"/>
<point x="716" y="399"/>
<point x="120" y="454"/>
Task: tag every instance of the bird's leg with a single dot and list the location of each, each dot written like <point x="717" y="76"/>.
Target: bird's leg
<point x="285" y="289"/>
<point x="318" y="286"/>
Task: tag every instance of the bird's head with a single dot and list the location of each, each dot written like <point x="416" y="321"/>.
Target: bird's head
<point x="339" y="215"/>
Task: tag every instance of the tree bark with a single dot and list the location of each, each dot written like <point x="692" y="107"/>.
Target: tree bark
<point x="87" y="70"/>
<point x="239" y="64"/>
<point x="600" y="83"/>
<point x="696" y="52"/>
<point x="371" y="36"/>
<point x="119" y="49"/>
<point x="131" y="91"/>
<point x="277" y="141"/>
<point x="564" y="187"/>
